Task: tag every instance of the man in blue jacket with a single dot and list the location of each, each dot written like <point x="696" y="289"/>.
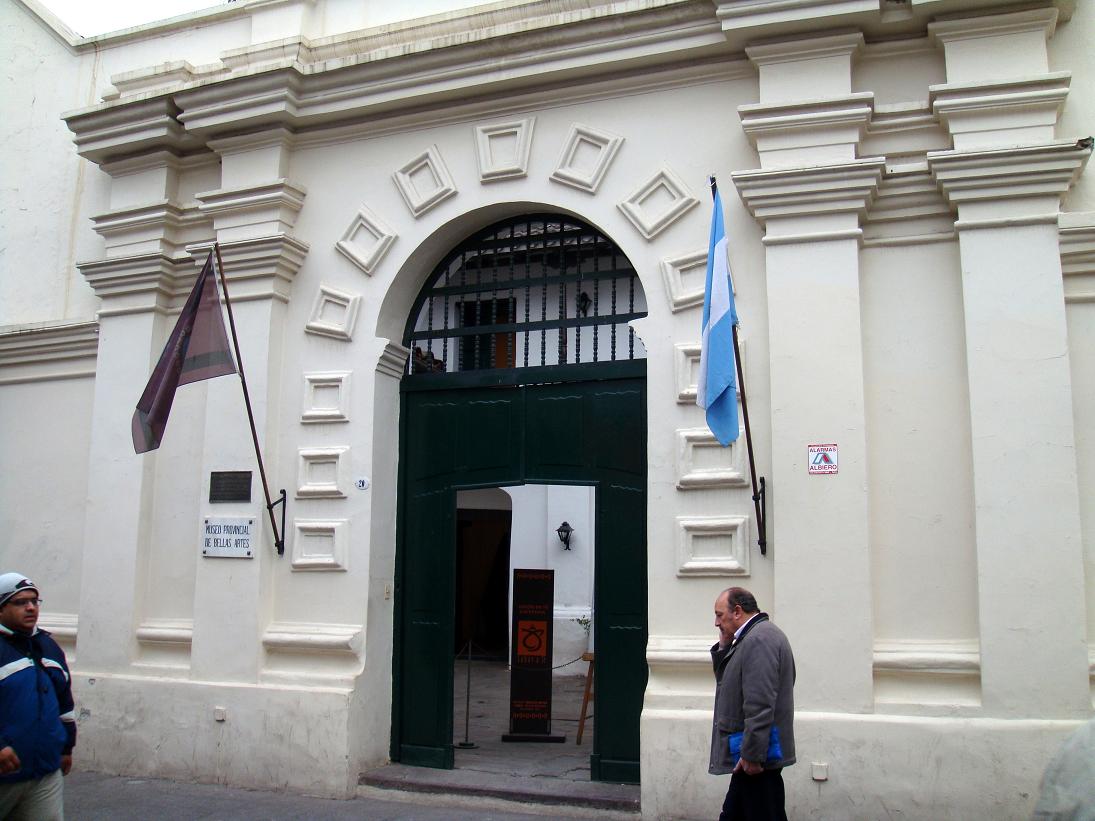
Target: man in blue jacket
<point x="37" y="723"/>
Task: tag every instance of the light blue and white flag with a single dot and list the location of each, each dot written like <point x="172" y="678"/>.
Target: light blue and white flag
<point x="716" y="390"/>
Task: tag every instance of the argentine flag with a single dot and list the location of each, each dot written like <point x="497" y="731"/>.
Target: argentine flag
<point x="716" y="390"/>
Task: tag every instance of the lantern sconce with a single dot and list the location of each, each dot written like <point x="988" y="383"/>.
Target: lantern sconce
<point x="583" y="303"/>
<point x="563" y="531"/>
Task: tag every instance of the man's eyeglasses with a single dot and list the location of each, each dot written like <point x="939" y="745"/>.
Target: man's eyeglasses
<point x="25" y="602"/>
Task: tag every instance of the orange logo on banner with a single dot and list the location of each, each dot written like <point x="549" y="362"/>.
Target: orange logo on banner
<point x="532" y="638"/>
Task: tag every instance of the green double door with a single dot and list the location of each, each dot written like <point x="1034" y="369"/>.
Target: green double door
<point x="590" y="433"/>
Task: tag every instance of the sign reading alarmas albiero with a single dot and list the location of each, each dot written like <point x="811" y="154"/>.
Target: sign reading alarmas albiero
<point x="824" y="459"/>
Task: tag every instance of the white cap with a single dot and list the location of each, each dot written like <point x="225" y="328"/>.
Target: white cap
<point x="12" y="583"/>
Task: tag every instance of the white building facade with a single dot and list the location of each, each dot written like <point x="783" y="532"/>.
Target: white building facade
<point x="912" y="236"/>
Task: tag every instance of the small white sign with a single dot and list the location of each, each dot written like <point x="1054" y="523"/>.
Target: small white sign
<point x="228" y="538"/>
<point x="824" y="459"/>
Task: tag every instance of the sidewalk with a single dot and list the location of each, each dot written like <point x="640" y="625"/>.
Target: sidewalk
<point x="96" y="797"/>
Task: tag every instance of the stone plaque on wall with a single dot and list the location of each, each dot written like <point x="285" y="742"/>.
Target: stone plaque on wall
<point x="228" y="538"/>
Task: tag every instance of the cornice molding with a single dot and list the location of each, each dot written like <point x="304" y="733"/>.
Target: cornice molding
<point x="738" y="15"/>
<point x="1007" y="173"/>
<point x="140" y="127"/>
<point x="906" y="193"/>
<point x="259" y="211"/>
<point x="153" y="79"/>
<point x="840" y="44"/>
<point x="793" y="192"/>
<point x="969" y="26"/>
<point x="1001" y="112"/>
<point x="48" y="345"/>
<point x="136" y="283"/>
<point x="257" y="268"/>
<point x="908" y="209"/>
<point x="301" y="84"/>
<point x="745" y="22"/>
<point x="829" y="125"/>
<point x="393" y="360"/>
<point x="242" y="143"/>
<point x="152" y="222"/>
<point x="1076" y="231"/>
<point x="279" y="200"/>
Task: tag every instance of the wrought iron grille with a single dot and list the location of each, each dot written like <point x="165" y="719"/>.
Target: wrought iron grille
<point x="531" y="291"/>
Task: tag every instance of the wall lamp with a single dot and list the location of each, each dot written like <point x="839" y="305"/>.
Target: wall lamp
<point x="563" y="531"/>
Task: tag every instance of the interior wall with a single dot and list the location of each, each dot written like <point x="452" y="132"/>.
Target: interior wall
<point x="537" y="511"/>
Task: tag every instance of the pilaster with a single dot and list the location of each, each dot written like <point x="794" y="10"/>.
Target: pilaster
<point x="253" y="215"/>
<point x="1029" y="551"/>
<point x="136" y="293"/>
<point x="143" y="278"/>
<point x="819" y="523"/>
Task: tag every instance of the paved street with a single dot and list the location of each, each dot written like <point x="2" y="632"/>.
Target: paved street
<point x="95" y="797"/>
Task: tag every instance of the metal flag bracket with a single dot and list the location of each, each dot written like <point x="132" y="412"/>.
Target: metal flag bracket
<point x="760" y="502"/>
<point x="279" y="540"/>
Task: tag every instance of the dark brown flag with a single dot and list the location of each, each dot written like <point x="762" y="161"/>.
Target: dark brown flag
<point x="197" y="349"/>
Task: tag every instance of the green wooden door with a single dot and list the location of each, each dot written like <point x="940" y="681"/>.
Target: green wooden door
<point x="591" y="432"/>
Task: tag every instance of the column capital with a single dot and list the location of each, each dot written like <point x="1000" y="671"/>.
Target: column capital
<point x="262" y="209"/>
<point x="137" y="283"/>
<point x="107" y="131"/>
<point x="805" y="201"/>
<point x="807" y="131"/>
<point x="801" y="49"/>
<point x="257" y="267"/>
<point x="990" y="113"/>
<point x="957" y="28"/>
<point x="1009" y="183"/>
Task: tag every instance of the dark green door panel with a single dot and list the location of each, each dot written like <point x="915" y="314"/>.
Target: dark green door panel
<point x="556" y="440"/>
<point x="427" y="628"/>
<point x="591" y="433"/>
<point x="620" y="611"/>
<point x="617" y="422"/>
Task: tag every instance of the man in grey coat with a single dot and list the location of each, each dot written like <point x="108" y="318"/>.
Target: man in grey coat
<point x="754" y="706"/>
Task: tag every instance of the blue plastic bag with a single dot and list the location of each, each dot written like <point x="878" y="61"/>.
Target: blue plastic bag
<point x="775" y="751"/>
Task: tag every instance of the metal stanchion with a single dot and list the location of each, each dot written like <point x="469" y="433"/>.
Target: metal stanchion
<point x="465" y="744"/>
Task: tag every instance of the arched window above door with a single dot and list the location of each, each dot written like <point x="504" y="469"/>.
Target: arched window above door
<point x="534" y="291"/>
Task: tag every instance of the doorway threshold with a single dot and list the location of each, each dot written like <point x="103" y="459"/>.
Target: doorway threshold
<point x="544" y="774"/>
<point x="523" y="789"/>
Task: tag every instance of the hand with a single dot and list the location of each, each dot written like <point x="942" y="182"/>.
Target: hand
<point x="9" y="761"/>
<point x="749" y="767"/>
<point x="66" y="764"/>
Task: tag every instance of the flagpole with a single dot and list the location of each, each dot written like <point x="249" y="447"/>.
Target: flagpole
<point x="279" y="541"/>
<point x="759" y="504"/>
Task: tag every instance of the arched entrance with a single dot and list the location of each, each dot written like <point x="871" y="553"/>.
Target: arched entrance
<point x="523" y="370"/>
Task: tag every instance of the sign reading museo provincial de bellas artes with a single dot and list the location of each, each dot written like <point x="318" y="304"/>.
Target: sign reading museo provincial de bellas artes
<point x="530" y="657"/>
